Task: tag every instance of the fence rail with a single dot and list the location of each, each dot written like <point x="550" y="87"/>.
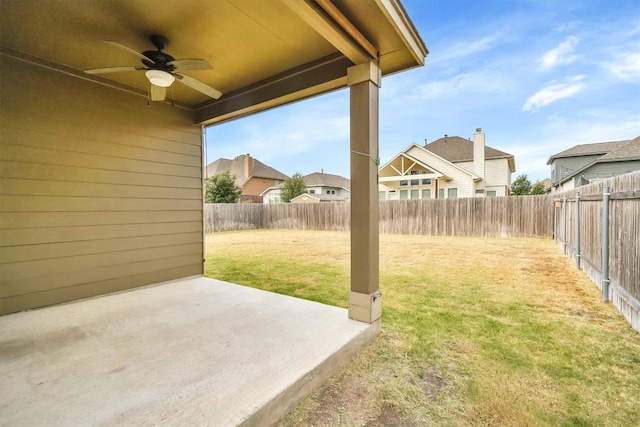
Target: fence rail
<point x="598" y="225"/>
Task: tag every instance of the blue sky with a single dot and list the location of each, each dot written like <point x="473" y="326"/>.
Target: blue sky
<point x="538" y="76"/>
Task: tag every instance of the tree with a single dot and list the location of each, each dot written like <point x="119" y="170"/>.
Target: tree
<point x="537" y="188"/>
<point x="222" y="188"/>
<point x="521" y="186"/>
<point x="293" y="187"/>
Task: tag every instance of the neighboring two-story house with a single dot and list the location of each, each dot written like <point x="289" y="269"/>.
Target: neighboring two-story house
<point x="253" y="176"/>
<point x="324" y="187"/>
<point x="320" y="187"/>
<point x="449" y="167"/>
<point x="587" y="163"/>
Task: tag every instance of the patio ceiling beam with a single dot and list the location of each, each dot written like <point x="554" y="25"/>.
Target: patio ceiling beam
<point x="336" y="33"/>
<point x="310" y="79"/>
<point x="351" y="29"/>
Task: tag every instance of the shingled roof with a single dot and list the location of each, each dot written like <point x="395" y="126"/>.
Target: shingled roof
<point x="457" y="149"/>
<point x="236" y="167"/>
<point x="628" y="151"/>
<point x="326" y="179"/>
<point x="598" y="148"/>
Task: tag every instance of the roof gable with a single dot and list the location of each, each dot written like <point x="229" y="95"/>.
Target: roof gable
<point x="424" y="158"/>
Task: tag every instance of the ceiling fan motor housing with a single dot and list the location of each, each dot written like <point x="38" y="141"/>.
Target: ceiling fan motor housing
<point x="158" y="60"/>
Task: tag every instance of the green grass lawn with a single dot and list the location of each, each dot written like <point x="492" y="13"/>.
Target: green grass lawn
<point x="476" y="331"/>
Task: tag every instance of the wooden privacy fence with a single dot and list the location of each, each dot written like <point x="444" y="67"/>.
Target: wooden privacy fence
<point x="598" y="225"/>
<point x="527" y="216"/>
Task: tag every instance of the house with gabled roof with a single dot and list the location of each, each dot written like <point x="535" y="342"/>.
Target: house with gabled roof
<point x="322" y="187"/>
<point x="587" y="163"/>
<point x="449" y="167"/>
<point x="253" y="176"/>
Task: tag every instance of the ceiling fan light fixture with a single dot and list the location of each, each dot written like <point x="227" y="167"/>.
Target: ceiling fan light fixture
<point x="160" y="78"/>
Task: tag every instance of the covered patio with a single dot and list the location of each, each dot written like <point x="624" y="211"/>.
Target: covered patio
<point x="194" y="351"/>
<point x="102" y="115"/>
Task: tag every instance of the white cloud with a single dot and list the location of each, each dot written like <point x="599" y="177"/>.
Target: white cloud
<point x="462" y="84"/>
<point x="553" y="92"/>
<point x="563" y="54"/>
<point x="567" y="26"/>
<point x="462" y="49"/>
<point x="625" y="67"/>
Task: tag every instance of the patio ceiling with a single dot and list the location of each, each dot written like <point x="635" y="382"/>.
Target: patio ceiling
<point x="263" y="53"/>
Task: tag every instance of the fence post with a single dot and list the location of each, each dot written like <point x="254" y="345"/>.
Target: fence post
<point x="605" y="244"/>
<point x="555" y="222"/>
<point x="564" y="211"/>
<point x="578" y="230"/>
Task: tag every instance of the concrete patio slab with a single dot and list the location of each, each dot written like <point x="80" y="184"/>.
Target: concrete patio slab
<point x="191" y="352"/>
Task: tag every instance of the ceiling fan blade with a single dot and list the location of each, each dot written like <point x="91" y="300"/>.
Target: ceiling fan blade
<point x="113" y="70"/>
<point x="190" y="64"/>
<point x="131" y="51"/>
<point x="199" y="86"/>
<point x="157" y="93"/>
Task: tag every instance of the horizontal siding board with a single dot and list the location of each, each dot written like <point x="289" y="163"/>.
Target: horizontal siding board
<point x="45" y="156"/>
<point x="32" y="187"/>
<point x="11" y="203"/>
<point x="35" y="268"/>
<point x="98" y="191"/>
<point x="87" y="145"/>
<point x="82" y="173"/>
<point x="17" y="220"/>
<point x="54" y="296"/>
<point x="25" y="135"/>
<point x="35" y="236"/>
<point x="10" y="254"/>
<point x="80" y="277"/>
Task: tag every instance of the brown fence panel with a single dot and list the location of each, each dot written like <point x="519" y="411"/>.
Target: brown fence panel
<point x="527" y="216"/>
<point x="583" y="238"/>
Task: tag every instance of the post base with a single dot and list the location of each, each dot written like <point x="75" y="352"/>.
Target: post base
<point x="365" y="307"/>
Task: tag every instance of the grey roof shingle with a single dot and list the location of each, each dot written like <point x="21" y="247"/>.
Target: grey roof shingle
<point x="236" y="167"/>
<point x="326" y="179"/>
<point x="457" y="149"/>
<point x="598" y="148"/>
<point x="628" y="151"/>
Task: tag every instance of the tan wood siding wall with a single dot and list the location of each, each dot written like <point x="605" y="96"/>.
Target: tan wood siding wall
<point x="99" y="192"/>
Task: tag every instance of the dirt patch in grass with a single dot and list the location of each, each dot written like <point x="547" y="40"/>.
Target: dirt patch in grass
<point x="476" y="331"/>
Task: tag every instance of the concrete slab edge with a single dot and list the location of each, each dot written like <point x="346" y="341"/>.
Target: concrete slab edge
<point x="275" y="410"/>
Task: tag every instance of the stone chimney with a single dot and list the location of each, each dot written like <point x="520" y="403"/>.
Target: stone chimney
<point x="478" y="153"/>
<point x="248" y="165"/>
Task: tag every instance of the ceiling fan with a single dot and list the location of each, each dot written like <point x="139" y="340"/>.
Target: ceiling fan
<point x="160" y="69"/>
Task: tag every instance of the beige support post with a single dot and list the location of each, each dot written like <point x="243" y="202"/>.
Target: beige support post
<point x="364" y="298"/>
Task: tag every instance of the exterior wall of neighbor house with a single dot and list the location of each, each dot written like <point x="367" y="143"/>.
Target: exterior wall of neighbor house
<point x="272" y="196"/>
<point x="328" y="190"/>
<point x="565" y="166"/>
<point x="607" y="170"/>
<point x="496" y="173"/>
<point x="256" y="186"/>
<point x="99" y="192"/>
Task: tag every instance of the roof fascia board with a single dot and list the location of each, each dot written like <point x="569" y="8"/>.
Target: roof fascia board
<point x="404" y="28"/>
